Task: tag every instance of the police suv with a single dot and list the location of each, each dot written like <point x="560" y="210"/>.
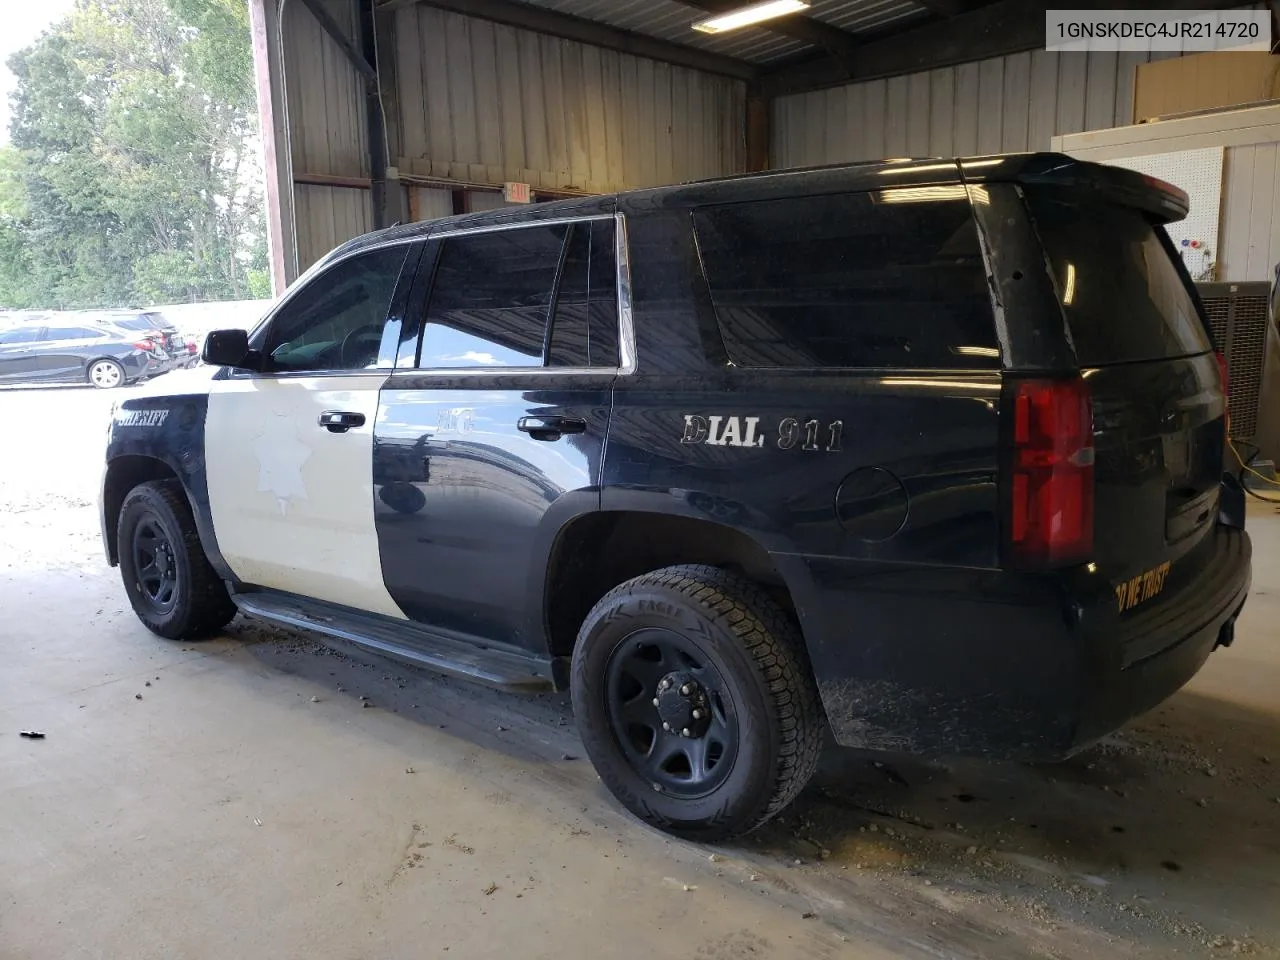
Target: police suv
<point x="927" y="453"/>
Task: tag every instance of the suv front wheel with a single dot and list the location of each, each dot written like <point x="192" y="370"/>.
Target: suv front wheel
<point x="695" y="701"/>
<point x="170" y="584"/>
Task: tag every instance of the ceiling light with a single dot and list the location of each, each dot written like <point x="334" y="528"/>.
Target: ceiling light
<point x="747" y="16"/>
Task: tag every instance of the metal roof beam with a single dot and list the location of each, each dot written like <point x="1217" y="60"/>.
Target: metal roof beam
<point x="331" y="27"/>
<point x="552" y="23"/>
<point x="1009" y="26"/>
<point x="833" y="40"/>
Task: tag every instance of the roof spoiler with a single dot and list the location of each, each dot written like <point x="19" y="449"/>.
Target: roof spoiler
<point x="1163" y="201"/>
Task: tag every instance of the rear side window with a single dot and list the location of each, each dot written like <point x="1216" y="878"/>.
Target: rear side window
<point x="585" y="325"/>
<point x="490" y="298"/>
<point x="535" y="296"/>
<point x="893" y="278"/>
<point x="135" y="323"/>
<point x="1124" y="298"/>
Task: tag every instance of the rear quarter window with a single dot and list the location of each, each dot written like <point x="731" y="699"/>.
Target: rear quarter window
<point x="1124" y="295"/>
<point x="892" y="278"/>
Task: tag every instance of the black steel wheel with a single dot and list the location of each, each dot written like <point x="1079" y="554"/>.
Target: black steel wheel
<point x="155" y="564"/>
<point x="695" y="701"/>
<point x="671" y="712"/>
<point x="171" y="586"/>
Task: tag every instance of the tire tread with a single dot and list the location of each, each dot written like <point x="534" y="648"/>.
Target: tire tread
<point x="210" y="608"/>
<point x="776" y="651"/>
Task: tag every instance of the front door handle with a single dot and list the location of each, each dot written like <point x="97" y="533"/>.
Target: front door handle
<point x="340" y="421"/>
<point x="550" y="428"/>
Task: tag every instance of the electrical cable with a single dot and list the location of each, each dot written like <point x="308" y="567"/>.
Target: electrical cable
<point x="1245" y="468"/>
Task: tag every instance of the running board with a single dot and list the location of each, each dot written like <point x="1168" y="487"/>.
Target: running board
<point x="498" y="667"/>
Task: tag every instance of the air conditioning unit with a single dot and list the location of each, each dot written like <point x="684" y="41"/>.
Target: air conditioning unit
<point x="1240" y="317"/>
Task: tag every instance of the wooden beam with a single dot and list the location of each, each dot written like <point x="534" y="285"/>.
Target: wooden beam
<point x="330" y="26"/>
<point x="1009" y="26"/>
<point x="554" y="24"/>
<point x="833" y="40"/>
<point x="329" y="180"/>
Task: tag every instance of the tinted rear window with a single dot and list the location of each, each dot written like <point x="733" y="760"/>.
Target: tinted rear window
<point x="1124" y="298"/>
<point x="893" y="278"/>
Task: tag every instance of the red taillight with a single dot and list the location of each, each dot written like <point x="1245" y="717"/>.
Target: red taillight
<point x="1226" y="389"/>
<point x="1051" y="472"/>
<point x="144" y="345"/>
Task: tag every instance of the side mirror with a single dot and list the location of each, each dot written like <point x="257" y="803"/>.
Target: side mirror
<point x="226" y="348"/>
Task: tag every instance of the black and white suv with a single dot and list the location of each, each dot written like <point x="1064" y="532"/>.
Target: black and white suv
<point x="929" y="453"/>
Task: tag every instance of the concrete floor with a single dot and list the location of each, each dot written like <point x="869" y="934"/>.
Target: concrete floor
<point x="235" y="798"/>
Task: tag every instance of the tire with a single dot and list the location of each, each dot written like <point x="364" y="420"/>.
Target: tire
<point x="105" y="374"/>
<point x="767" y="702"/>
<point x="176" y="595"/>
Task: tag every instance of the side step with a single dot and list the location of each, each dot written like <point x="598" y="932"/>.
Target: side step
<point x="492" y="665"/>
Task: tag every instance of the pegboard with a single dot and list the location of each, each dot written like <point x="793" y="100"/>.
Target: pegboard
<point x="1199" y="173"/>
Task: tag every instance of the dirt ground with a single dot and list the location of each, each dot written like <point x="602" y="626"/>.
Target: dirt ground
<point x="261" y="795"/>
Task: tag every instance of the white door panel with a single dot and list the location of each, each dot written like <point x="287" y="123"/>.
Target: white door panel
<point x="292" y="503"/>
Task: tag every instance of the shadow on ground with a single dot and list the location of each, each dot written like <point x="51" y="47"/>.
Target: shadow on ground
<point x="1162" y="838"/>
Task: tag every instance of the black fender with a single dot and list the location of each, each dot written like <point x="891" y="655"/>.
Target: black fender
<point x="153" y="436"/>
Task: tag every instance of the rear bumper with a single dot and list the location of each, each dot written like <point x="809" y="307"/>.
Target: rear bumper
<point x="1000" y="664"/>
<point x="137" y="365"/>
<point x="1159" y="654"/>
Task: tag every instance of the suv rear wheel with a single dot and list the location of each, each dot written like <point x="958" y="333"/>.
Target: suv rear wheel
<point x="171" y="586"/>
<point x="695" y="701"/>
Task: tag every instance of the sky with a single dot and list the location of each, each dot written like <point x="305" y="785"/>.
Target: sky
<point x="23" y="20"/>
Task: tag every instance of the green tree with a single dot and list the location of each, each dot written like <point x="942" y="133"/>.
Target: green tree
<point x="134" y="127"/>
<point x="15" y="270"/>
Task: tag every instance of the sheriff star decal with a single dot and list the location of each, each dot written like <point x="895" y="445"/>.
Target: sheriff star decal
<point x="281" y="456"/>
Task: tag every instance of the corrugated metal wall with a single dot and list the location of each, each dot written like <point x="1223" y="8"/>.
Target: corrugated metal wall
<point x="488" y="103"/>
<point x="432" y="203"/>
<point x="325" y="96"/>
<point x="1011" y="103"/>
<point x="1249" y="235"/>
<point x="328" y="216"/>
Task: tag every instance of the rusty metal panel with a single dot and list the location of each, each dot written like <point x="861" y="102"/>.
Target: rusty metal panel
<point x="489" y="103"/>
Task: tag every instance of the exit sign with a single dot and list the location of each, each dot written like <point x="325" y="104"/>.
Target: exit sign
<point x="517" y="193"/>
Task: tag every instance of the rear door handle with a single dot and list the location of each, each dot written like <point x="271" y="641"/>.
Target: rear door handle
<point x="340" y="421"/>
<point x="550" y="428"/>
